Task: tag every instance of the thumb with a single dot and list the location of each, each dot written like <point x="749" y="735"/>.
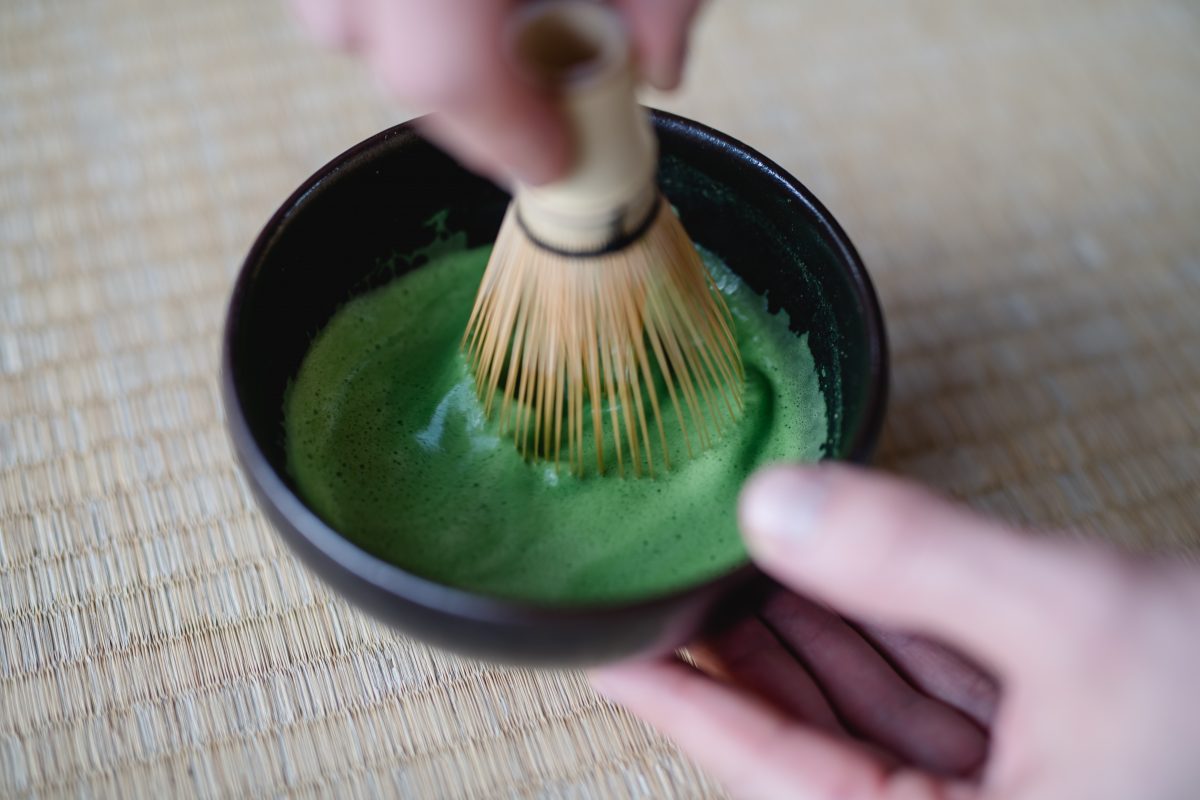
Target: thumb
<point x="879" y="549"/>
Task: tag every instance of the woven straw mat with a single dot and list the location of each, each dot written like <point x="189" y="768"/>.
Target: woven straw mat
<point x="1022" y="178"/>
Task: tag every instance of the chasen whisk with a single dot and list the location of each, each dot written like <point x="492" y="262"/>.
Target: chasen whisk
<point x="596" y="325"/>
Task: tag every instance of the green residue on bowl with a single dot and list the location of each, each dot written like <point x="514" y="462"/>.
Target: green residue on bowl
<point x="387" y="442"/>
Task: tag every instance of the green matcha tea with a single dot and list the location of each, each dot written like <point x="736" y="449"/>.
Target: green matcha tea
<point x="387" y="441"/>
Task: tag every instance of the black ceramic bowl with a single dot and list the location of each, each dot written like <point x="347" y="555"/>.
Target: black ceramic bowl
<point x="317" y="251"/>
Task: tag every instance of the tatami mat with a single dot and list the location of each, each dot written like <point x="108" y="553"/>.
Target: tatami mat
<point x="1023" y="180"/>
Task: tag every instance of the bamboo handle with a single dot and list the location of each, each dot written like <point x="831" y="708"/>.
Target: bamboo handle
<point x="580" y="51"/>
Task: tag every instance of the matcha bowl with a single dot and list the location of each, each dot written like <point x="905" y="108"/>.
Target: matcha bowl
<point x="345" y="233"/>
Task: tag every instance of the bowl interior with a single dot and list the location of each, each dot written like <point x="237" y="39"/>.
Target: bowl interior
<point x="326" y="245"/>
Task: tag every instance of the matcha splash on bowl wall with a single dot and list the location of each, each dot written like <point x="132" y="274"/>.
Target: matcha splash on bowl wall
<point x="356" y="416"/>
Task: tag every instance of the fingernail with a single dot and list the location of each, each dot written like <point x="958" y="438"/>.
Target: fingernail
<point x="781" y="508"/>
<point x="666" y="72"/>
<point x="663" y="77"/>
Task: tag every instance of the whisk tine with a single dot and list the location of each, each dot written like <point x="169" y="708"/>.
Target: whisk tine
<point x="694" y="360"/>
<point x="624" y="376"/>
<point x="591" y="343"/>
<point x="655" y="337"/>
<point x="681" y="374"/>
<point x="604" y="339"/>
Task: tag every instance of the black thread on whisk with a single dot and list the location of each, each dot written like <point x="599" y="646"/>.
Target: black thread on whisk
<point x="617" y="243"/>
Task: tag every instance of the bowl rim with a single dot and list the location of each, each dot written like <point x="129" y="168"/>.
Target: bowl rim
<point x="439" y="597"/>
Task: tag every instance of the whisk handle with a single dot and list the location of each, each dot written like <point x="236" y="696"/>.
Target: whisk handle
<point x="580" y="52"/>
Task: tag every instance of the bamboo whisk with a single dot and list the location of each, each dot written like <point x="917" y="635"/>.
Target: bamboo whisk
<point x="594" y="295"/>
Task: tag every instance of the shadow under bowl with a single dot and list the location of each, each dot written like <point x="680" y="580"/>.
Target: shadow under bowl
<point x="319" y="250"/>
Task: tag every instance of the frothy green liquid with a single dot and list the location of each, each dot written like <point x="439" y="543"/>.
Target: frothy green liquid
<point x="388" y="443"/>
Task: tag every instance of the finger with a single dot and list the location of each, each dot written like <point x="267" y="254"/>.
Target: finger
<point x="746" y="744"/>
<point x="749" y="655"/>
<point x="449" y="56"/>
<point x="523" y="139"/>
<point x="878" y="549"/>
<point x="940" y="673"/>
<point x="660" y="34"/>
<point x="876" y="702"/>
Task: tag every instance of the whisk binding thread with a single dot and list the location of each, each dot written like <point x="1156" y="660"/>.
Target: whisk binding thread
<point x="617" y="241"/>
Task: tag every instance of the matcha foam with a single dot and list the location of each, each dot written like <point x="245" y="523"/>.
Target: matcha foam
<point x="387" y="442"/>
